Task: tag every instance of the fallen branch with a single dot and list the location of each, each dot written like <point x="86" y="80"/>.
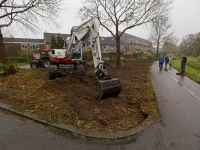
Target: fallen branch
<point x="34" y="90"/>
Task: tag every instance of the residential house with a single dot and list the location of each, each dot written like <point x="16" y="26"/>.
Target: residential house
<point x="108" y="45"/>
<point x="15" y="45"/>
<point x="134" y="43"/>
<point x="47" y="38"/>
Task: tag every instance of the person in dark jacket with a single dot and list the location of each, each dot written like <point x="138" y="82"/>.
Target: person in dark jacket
<point x="166" y="61"/>
<point x="161" y="60"/>
<point x="183" y="63"/>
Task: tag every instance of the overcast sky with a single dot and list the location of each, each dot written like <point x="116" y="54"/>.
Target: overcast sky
<point x="185" y="20"/>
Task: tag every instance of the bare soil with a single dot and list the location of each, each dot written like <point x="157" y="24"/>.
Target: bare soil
<point x="74" y="99"/>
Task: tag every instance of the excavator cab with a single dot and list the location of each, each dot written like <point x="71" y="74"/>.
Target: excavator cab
<point x="77" y="54"/>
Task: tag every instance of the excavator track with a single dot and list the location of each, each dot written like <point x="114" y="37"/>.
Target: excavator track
<point x="109" y="88"/>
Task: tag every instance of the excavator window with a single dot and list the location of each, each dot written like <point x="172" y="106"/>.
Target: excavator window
<point x="52" y="51"/>
<point x="77" y="51"/>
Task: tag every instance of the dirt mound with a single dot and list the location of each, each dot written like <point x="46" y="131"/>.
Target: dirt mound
<point x="74" y="99"/>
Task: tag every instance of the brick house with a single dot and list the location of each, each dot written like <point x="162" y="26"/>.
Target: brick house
<point x="47" y="38"/>
<point x="133" y="43"/>
<point x="108" y="44"/>
<point x="15" y="45"/>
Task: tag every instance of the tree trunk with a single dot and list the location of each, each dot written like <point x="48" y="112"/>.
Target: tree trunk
<point x="118" y="52"/>
<point x="157" y="51"/>
<point x="3" y="57"/>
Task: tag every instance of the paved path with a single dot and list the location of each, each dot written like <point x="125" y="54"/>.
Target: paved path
<point x="178" y="128"/>
<point x="179" y="103"/>
<point x="25" y="67"/>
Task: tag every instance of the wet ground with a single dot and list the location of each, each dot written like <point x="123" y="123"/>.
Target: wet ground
<point x="177" y="129"/>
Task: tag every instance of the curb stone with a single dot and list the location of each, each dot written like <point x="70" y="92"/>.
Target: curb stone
<point x="91" y="134"/>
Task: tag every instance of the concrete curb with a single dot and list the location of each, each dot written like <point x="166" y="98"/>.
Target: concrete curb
<point x="91" y="134"/>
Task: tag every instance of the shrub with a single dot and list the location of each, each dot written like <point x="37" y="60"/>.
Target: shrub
<point x="7" y="68"/>
<point x="88" y="51"/>
<point x="17" y="59"/>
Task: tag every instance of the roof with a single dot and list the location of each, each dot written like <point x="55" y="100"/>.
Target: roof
<point x="104" y="41"/>
<point x="132" y="36"/>
<point x="22" y="40"/>
<point x="47" y="36"/>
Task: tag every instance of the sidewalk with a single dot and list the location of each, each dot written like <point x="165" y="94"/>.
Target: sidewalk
<point x="179" y="105"/>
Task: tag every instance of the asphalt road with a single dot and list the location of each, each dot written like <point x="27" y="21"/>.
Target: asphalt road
<point x="177" y="129"/>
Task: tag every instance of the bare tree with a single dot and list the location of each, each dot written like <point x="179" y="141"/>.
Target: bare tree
<point x="126" y="14"/>
<point x="159" y="31"/>
<point x="170" y="46"/>
<point x="28" y="13"/>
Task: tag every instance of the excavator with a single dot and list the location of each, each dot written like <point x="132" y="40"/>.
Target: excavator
<point x="70" y="58"/>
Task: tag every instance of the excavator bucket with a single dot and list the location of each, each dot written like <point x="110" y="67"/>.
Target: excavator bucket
<point x="109" y="88"/>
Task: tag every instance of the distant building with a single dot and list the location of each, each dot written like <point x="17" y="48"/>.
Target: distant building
<point x="15" y="45"/>
<point x="133" y="43"/>
<point x="47" y="38"/>
<point x="108" y="44"/>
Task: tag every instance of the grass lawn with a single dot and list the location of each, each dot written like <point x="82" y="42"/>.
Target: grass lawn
<point x="192" y="73"/>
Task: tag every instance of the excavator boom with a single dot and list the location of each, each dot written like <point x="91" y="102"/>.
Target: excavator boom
<point x="108" y="86"/>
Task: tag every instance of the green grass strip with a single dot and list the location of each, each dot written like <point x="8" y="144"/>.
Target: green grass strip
<point x="192" y="73"/>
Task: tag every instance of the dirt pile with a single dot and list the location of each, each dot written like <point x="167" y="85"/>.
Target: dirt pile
<point x="74" y="99"/>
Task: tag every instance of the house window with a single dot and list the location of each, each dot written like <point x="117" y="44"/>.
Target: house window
<point x="33" y="46"/>
<point x="107" y="47"/>
<point x="123" y="47"/>
<point x="24" y="46"/>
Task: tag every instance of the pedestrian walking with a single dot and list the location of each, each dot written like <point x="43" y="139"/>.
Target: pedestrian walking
<point x="161" y="60"/>
<point x="166" y="62"/>
<point x="183" y="63"/>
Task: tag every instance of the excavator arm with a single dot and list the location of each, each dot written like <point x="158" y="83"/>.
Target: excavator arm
<point x="89" y="31"/>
